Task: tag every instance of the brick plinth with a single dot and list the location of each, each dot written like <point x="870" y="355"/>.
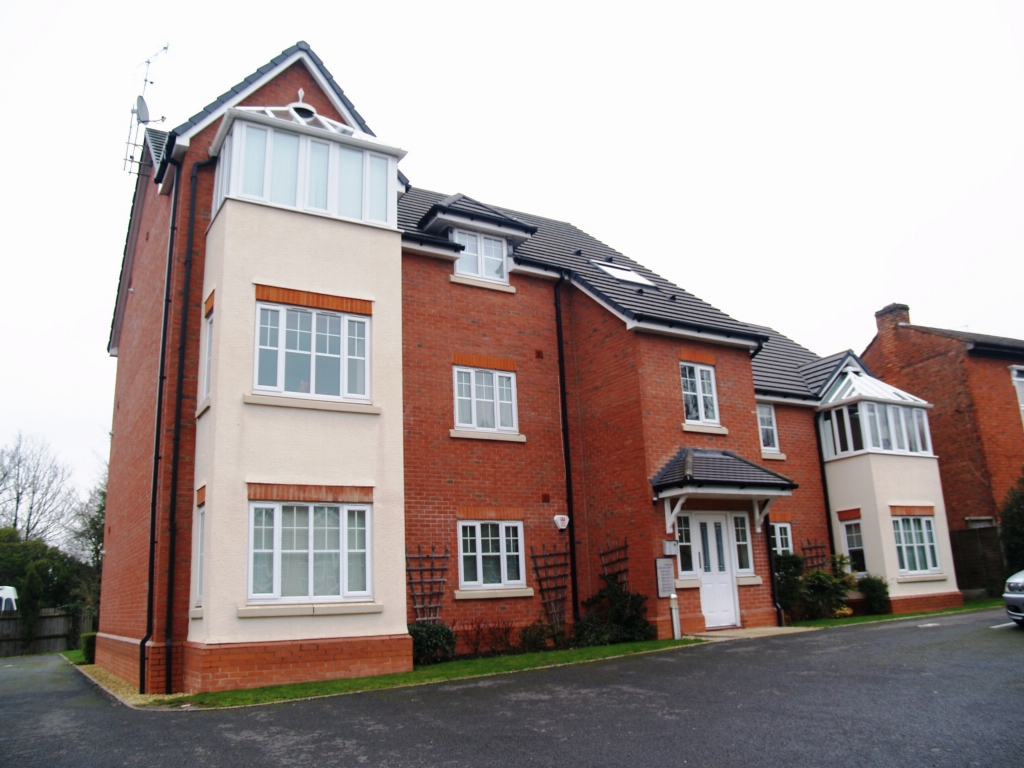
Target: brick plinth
<point x="119" y="655"/>
<point x="926" y="602"/>
<point x="252" y="665"/>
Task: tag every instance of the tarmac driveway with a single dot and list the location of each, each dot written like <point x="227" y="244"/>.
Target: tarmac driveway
<point x="943" y="691"/>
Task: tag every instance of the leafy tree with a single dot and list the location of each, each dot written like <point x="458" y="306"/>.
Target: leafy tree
<point x="36" y="495"/>
<point x="59" y="573"/>
<point x="85" y="540"/>
<point x="1011" y="516"/>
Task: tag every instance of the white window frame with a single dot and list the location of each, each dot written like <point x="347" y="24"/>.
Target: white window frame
<point x="514" y="429"/>
<point x="928" y="544"/>
<point x="689" y="528"/>
<point x="208" y="363"/>
<point x="503" y="525"/>
<point x="774" y="426"/>
<point x="480" y="273"/>
<point x="717" y="420"/>
<point x="1017" y="376"/>
<point x="908" y="420"/>
<point x="234" y="182"/>
<point x="282" y="310"/>
<point x="847" y="524"/>
<point x="346" y="594"/>
<point x="788" y="529"/>
<point x="737" y="544"/>
<point x="200" y="552"/>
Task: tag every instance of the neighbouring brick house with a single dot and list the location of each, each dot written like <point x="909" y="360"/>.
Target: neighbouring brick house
<point x="976" y="383"/>
<point x="323" y="369"/>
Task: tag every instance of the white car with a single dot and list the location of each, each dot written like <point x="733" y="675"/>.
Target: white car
<point x="1013" y="598"/>
<point x="8" y="599"/>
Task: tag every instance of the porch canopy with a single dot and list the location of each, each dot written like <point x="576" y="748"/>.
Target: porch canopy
<point x="709" y="474"/>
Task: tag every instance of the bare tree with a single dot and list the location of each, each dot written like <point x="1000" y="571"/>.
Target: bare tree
<point x="36" y="495"/>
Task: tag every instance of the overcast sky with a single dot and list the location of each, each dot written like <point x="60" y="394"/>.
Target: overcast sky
<point x="798" y="165"/>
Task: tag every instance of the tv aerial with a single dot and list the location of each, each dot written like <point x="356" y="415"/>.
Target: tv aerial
<point x="139" y="120"/>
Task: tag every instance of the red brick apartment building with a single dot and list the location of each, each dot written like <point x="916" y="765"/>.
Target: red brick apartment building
<point x="323" y="369"/>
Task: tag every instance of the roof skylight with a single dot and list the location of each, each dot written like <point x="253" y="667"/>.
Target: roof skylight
<point x="623" y="273"/>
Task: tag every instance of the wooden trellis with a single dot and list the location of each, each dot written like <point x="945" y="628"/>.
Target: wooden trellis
<point x="426" y="576"/>
<point x="552" y="572"/>
<point x="815" y="552"/>
<point x="615" y="560"/>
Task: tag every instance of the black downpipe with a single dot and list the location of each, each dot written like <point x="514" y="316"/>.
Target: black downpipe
<point x="779" y="616"/>
<point x="159" y="423"/>
<point x="565" y="450"/>
<point x="178" y="399"/>
<point x="824" y="486"/>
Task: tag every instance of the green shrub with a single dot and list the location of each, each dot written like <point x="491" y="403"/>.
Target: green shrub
<point x="615" y="615"/>
<point x="1011" y="527"/>
<point x="432" y="643"/>
<point x="876" y="594"/>
<point x="89" y="647"/>
<point x="534" y="637"/>
<point x="789" y="570"/>
<point x="825" y="591"/>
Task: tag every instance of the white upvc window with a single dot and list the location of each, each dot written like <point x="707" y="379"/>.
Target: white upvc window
<point x="1017" y="372"/>
<point x="684" y="535"/>
<point x="491" y="554"/>
<point x="310" y="552"/>
<point x="768" y="428"/>
<point x="700" y="399"/>
<point x="875" y="427"/>
<point x="482" y="256"/>
<point x="209" y="356"/>
<point x="485" y="400"/>
<point x="200" y="546"/>
<point x="303" y="352"/>
<point x="915" y="544"/>
<point x="854" y="541"/>
<point x="741" y="539"/>
<point x="782" y="538"/>
<point x="305" y="173"/>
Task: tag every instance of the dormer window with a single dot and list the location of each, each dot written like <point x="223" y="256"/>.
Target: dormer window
<point x="482" y="256"/>
<point x="623" y="273"/>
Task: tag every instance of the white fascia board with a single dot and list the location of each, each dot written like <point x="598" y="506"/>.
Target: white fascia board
<point x="870" y="399"/>
<point x="683" y="333"/>
<point x="781" y="400"/>
<point x="369" y="142"/>
<point x="181" y="146"/>
<point x="422" y="249"/>
<point x="723" y="492"/>
<point x="486" y="227"/>
<point x="523" y="269"/>
<point x="253" y="87"/>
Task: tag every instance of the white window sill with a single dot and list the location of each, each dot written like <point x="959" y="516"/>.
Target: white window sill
<point x="706" y="429"/>
<point x="195" y="613"/>
<point x="203" y="407"/>
<point x="911" y="578"/>
<point x="470" y="434"/>
<point x="478" y="283"/>
<point x="687" y="583"/>
<point x="773" y="456"/>
<point x="749" y="581"/>
<point x="306" y="609"/>
<point x="491" y="594"/>
<point x="282" y="401"/>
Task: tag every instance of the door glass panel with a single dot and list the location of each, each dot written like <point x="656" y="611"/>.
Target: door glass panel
<point x="705" y="547"/>
<point x="685" y="548"/>
<point x="719" y="547"/>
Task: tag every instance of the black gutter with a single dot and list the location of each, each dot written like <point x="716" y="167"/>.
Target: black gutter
<point x="179" y="397"/>
<point x="162" y="375"/>
<point x="565" y="450"/>
<point x="779" y="615"/>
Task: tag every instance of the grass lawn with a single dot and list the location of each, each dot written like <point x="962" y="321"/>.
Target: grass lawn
<point x="77" y="656"/>
<point x="970" y="605"/>
<point x="451" y="670"/>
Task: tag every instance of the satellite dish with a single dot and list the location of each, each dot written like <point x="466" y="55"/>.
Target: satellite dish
<point x="141" y="110"/>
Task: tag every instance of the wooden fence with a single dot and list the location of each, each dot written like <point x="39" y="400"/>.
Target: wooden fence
<point x="52" y="631"/>
<point x="978" y="559"/>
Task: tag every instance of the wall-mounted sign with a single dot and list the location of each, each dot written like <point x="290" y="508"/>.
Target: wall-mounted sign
<point x="665" y="567"/>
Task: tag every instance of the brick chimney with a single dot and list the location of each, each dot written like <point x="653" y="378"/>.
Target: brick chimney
<point x="891" y="315"/>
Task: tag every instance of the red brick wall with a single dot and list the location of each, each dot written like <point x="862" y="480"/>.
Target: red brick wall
<point x="926" y="602"/>
<point x="975" y="423"/>
<point x="441" y="319"/>
<point x="284" y="89"/>
<point x="805" y="509"/>
<point x="251" y="665"/>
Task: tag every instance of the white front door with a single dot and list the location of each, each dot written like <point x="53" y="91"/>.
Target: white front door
<point x="715" y="568"/>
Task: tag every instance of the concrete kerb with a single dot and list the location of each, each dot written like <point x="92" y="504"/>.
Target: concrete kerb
<point x="120" y="689"/>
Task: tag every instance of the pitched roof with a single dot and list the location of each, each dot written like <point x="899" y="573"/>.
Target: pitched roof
<point x="560" y="246"/>
<point x="473" y="209"/>
<point x="777" y="366"/>
<point x="981" y="343"/>
<point x="704" y="467"/>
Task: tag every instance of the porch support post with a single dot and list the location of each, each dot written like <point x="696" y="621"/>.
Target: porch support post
<point x="760" y="513"/>
<point x="671" y="510"/>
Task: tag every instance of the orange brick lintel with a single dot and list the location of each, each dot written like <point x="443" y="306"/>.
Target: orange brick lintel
<point x="208" y="305"/>
<point x="696" y="356"/>
<point x="848" y="514"/>
<point x="781" y="517"/>
<point x="314" y="300"/>
<point x="483" y="361"/>
<point x="489" y="513"/>
<point x="325" y="493"/>
<point x="200" y="496"/>
<point x="896" y="511"/>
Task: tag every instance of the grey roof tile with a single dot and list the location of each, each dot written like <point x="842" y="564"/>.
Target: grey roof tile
<point x="981" y="341"/>
<point x="777" y="366"/>
<point x="698" y="466"/>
